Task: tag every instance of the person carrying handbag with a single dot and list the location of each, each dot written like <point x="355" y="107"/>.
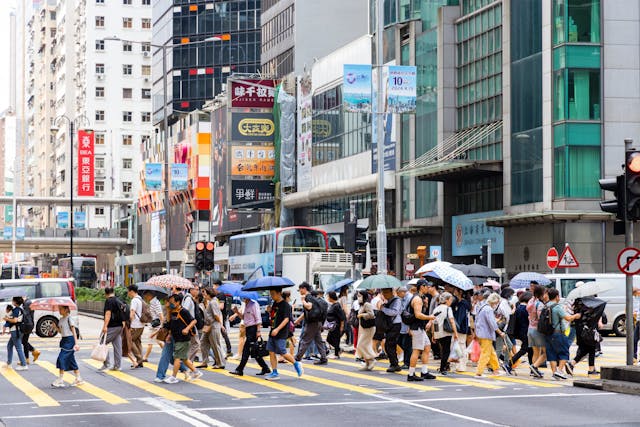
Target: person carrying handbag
<point x="444" y="329"/>
<point x="253" y="323"/>
<point x="366" y="330"/>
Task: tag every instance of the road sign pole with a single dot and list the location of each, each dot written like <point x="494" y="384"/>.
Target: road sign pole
<point x="489" y="253"/>
<point x="628" y="240"/>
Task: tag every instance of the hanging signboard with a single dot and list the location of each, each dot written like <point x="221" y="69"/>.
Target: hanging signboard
<point x="401" y="89"/>
<point x="305" y="133"/>
<point x="356" y="90"/>
<point x="86" y="171"/>
<point x="153" y="176"/>
<point x="179" y="176"/>
<point x="252" y="127"/>
<point x="252" y="93"/>
<point x="63" y="219"/>
<point x="79" y="220"/>
<point x="253" y="160"/>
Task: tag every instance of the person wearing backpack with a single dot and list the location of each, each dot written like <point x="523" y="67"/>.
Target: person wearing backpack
<point x="191" y="304"/>
<point x="112" y="327"/>
<point x="557" y="343"/>
<point x="27" y="329"/>
<point x="314" y="317"/>
<point x="536" y="339"/>
<point x="392" y="310"/>
<point x="137" y="324"/>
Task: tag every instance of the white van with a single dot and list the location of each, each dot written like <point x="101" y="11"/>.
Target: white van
<point x="615" y="297"/>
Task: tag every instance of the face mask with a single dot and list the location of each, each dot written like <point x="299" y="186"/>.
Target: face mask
<point x="172" y="306"/>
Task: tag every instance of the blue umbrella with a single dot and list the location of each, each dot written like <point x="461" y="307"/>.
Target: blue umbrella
<point x="338" y="285"/>
<point x="523" y="280"/>
<point x="267" y="282"/>
<point x="235" y="290"/>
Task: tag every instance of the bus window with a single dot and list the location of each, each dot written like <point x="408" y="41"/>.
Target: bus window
<point x="54" y="289"/>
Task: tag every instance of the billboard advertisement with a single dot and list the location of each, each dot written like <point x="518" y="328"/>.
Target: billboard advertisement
<point x="253" y="160"/>
<point x="153" y="176"/>
<point x="389" y="146"/>
<point x="79" y="220"/>
<point x="356" y="93"/>
<point x="220" y="147"/>
<point x="86" y="166"/>
<point x="252" y="127"/>
<point x="63" y="219"/>
<point x="470" y="232"/>
<point x="305" y="134"/>
<point x="251" y="193"/>
<point x="401" y="89"/>
<point x="252" y="93"/>
<point x="179" y="176"/>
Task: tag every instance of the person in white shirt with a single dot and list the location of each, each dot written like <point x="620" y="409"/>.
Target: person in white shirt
<point x="137" y="327"/>
<point x="189" y="303"/>
<point x="155" y="308"/>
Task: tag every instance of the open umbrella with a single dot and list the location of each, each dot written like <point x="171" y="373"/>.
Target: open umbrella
<point x="334" y="287"/>
<point x="235" y="290"/>
<point x="52" y="304"/>
<point x="267" y="282"/>
<point x="169" y="281"/>
<point x="589" y="289"/>
<point x="380" y="281"/>
<point x="157" y="291"/>
<point x="451" y="276"/>
<point x="489" y="283"/>
<point x="524" y="279"/>
<point x="429" y="267"/>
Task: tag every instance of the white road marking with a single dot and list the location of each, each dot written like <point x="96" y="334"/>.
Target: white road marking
<point x="177" y="410"/>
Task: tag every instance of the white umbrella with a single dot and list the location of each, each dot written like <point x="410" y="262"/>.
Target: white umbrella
<point x="430" y="266"/>
<point x="451" y="276"/>
<point x="590" y="289"/>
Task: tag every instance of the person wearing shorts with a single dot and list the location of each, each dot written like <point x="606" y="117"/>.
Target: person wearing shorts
<point x="536" y="339"/>
<point x="182" y="327"/>
<point x="280" y="315"/>
<point x="417" y="329"/>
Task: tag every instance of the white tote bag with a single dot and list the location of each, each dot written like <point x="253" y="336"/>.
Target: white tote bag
<point x="100" y="350"/>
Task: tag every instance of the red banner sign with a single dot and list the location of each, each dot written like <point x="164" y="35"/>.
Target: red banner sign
<point x="86" y="171"/>
<point x="252" y="93"/>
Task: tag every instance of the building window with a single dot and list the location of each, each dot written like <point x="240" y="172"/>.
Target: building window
<point x="127" y="46"/>
<point x="126" y="187"/>
<point x="577" y="94"/>
<point x="127" y="69"/>
<point x="99" y="138"/>
<point x="100" y="45"/>
<point x="127" y="93"/>
<point x="576" y="21"/>
<point x="99" y="1"/>
<point x="146" y="70"/>
<point x="127" y="139"/>
<point x="99" y="211"/>
<point x="146" y="2"/>
<point x="99" y="162"/>
<point x="127" y="23"/>
<point x="146" y="23"/>
<point x="145" y="47"/>
<point x="99" y="187"/>
<point x="127" y="2"/>
<point x="99" y="21"/>
<point x="127" y="116"/>
<point x="145" y="139"/>
<point x="100" y="115"/>
<point x="146" y="93"/>
<point x="146" y="117"/>
<point x="127" y="163"/>
<point x="99" y="92"/>
<point x="99" y="68"/>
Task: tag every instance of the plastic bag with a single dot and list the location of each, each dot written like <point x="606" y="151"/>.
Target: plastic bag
<point x="456" y="351"/>
<point x="100" y="350"/>
<point x="474" y="351"/>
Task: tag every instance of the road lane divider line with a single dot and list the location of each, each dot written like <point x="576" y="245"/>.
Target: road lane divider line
<point x="270" y="384"/>
<point x="86" y="387"/>
<point x="218" y="388"/>
<point x="38" y="396"/>
<point x="141" y="384"/>
<point x="323" y="381"/>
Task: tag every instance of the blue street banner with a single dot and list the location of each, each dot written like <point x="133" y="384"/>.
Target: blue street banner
<point x="63" y="219"/>
<point x="470" y="232"/>
<point x="179" y="176"/>
<point x="389" y="146"/>
<point x="19" y="233"/>
<point x="401" y="89"/>
<point x="8" y="232"/>
<point x="356" y="91"/>
<point x="79" y="220"/>
<point x="153" y="176"/>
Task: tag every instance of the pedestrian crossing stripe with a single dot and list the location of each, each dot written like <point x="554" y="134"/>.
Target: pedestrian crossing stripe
<point x="141" y="384"/>
<point x="323" y="381"/>
<point x="274" y="385"/>
<point x="86" y="387"/>
<point x="212" y="386"/>
<point x="509" y="379"/>
<point x="372" y="378"/>
<point x="38" y="396"/>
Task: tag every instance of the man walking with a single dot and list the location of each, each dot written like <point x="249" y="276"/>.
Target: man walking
<point x="434" y="299"/>
<point x="392" y="309"/>
<point x="557" y="344"/>
<point x="212" y="331"/>
<point x="112" y="328"/>
<point x="190" y="303"/>
<point x="419" y="340"/>
<point x="137" y="327"/>
<point x="313" y="318"/>
<point x="277" y="345"/>
<point x="405" y="338"/>
<point x="253" y="323"/>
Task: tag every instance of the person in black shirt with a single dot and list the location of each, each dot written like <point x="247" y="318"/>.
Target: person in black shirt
<point x="112" y="328"/>
<point x="182" y="326"/>
<point x="281" y="318"/>
<point x="336" y="320"/>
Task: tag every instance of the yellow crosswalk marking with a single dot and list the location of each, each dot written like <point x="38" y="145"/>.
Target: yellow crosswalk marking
<point x="38" y="396"/>
<point x="269" y="384"/>
<point x="509" y="379"/>
<point x="376" y="379"/>
<point x="86" y="387"/>
<point x="213" y="387"/>
<point x="323" y="381"/>
<point x="141" y="384"/>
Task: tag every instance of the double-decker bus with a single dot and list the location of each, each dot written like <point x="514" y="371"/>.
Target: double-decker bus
<point x="83" y="270"/>
<point x="263" y="250"/>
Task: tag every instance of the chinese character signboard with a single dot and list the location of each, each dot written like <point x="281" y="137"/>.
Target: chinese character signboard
<point x="356" y="91"/>
<point x="252" y="93"/>
<point x="305" y="134"/>
<point x="254" y="160"/>
<point x="251" y="193"/>
<point x="470" y="232"/>
<point x="179" y="176"/>
<point x="401" y="89"/>
<point x="86" y="175"/>
<point x="252" y="127"/>
<point x="153" y="176"/>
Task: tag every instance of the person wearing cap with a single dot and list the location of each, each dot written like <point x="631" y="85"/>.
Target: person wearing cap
<point x="405" y="339"/>
<point x="420" y="344"/>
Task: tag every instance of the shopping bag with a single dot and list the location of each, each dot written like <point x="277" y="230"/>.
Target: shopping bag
<point x="456" y="351"/>
<point x="100" y="350"/>
<point x="127" y="343"/>
<point x="474" y="351"/>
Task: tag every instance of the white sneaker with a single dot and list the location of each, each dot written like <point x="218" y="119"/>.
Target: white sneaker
<point x="171" y="380"/>
<point x="559" y="375"/>
<point x="78" y="381"/>
<point x="22" y="368"/>
<point x="158" y="380"/>
<point x="58" y="383"/>
<point x="195" y="375"/>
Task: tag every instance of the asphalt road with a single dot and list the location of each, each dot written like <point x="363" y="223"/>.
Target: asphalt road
<point x="336" y="395"/>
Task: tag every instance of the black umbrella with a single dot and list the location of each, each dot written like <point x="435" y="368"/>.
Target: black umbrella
<point x="157" y="291"/>
<point x="590" y="308"/>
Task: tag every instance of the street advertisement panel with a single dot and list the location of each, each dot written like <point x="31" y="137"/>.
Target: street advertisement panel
<point x="20" y="233"/>
<point x="305" y="134"/>
<point x="253" y="160"/>
<point x="8" y="233"/>
<point x="62" y="219"/>
<point x="153" y="176"/>
<point x="86" y="165"/>
<point x="252" y="93"/>
<point x="469" y="233"/>
<point x="179" y="176"/>
<point x="158" y="231"/>
<point x="79" y="220"/>
<point x="356" y="91"/>
<point x="219" y="146"/>
<point x="252" y="193"/>
<point x="401" y="89"/>
<point x="252" y="127"/>
<point x="389" y="146"/>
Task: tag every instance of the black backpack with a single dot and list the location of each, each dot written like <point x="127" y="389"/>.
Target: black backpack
<point x="407" y="315"/>
<point x="123" y="314"/>
<point x="319" y="309"/>
<point x="545" y="322"/>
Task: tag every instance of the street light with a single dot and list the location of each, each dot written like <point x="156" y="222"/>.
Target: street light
<point x="73" y="124"/>
<point x="165" y="124"/>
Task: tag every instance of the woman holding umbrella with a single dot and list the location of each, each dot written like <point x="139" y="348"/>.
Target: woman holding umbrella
<point x="587" y="336"/>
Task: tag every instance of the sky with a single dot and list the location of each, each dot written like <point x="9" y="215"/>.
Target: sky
<point x="5" y="7"/>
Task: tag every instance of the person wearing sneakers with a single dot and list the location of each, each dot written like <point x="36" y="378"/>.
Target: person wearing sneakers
<point x="418" y="331"/>
<point x="68" y="346"/>
<point x="557" y="344"/>
<point x="366" y="330"/>
<point x="486" y="330"/>
<point x="27" y="327"/>
<point x="280" y="316"/>
<point x="182" y="327"/>
<point x="313" y="319"/>
<point x="253" y="322"/>
<point x="15" y="340"/>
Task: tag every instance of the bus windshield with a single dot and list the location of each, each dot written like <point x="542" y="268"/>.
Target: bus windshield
<point x="301" y="240"/>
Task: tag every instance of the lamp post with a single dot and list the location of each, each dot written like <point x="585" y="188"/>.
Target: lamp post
<point x="165" y="125"/>
<point x="381" y="232"/>
<point x="73" y="124"/>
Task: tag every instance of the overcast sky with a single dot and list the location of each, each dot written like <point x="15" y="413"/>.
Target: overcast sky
<point x="5" y="8"/>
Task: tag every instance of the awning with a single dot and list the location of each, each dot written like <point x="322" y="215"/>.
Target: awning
<point x="546" y="217"/>
<point x="460" y="169"/>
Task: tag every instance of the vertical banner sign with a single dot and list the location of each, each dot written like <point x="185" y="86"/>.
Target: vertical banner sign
<point x="357" y="88"/>
<point x="63" y="219"/>
<point x="153" y="176"/>
<point x="401" y="89"/>
<point x="79" y="220"/>
<point x="179" y="176"/>
<point x="86" y="175"/>
<point x="305" y="134"/>
<point x="8" y="232"/>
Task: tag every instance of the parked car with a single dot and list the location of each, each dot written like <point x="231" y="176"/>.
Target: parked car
<point x="39" y="290"/>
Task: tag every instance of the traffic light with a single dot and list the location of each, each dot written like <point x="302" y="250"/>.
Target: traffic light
<point x="616" y="205"/>
<point x="349" y="233"/>
<point x="484" y="254"/>
<point x="208" y="256"/>
<point x="361" y="239"/>
<point x="632" y="171"/>
<point x="200" y="256"/>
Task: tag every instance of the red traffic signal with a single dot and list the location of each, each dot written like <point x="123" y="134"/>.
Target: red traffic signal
<point x="633" y="161"/>
<point x="199" y="246"/>
<point x="210" y="246"/>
